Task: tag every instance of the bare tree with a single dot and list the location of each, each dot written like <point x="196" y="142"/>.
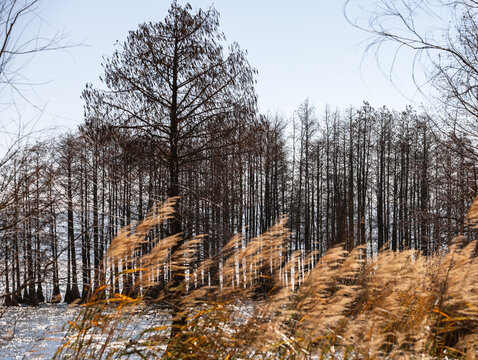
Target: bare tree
<point x="446" y="48"/>
<point x="20" y="41"/>
<point x="175" y="82"/>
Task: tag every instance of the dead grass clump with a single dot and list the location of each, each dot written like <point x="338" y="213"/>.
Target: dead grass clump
<point x="399" y="305"/>
<point x="258" y="304"/>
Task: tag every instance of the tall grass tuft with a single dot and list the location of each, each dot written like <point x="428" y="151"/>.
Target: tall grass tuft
<point x="257" y="303"/>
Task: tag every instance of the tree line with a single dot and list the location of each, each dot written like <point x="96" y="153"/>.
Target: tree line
<point x="177" y="118"/>
<point x="364" y="176"/>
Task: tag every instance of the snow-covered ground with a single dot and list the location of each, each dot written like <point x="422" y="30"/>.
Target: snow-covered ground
<point x="33" y="332"/>
<point x="37" y="332"/>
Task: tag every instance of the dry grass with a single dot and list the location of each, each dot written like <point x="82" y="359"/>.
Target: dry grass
<point x="471" y="219"/>
<point x="398" y="305"/>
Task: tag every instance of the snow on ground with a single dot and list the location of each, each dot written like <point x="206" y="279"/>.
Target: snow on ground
<point x="37" y="332"/>
<point x="33" y="332"/>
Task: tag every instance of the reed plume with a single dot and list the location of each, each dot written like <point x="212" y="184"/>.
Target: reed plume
<point x="260" y="302"/>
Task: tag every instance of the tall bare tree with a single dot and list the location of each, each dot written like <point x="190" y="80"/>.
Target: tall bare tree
<point x="174" y="81"/>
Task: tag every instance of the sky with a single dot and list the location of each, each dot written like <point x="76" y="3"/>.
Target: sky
<point x="302" y="49"/>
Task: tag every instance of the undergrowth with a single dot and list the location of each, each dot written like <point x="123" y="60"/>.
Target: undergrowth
<point x="257" y="305"/>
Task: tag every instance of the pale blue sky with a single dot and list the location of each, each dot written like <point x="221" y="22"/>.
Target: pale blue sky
<point x="302" y="49"/>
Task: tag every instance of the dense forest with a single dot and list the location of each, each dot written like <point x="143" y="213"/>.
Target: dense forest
<point x="364" y="176"/>
<point x="178" y="118"/>
<point x="179" y="221"/>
